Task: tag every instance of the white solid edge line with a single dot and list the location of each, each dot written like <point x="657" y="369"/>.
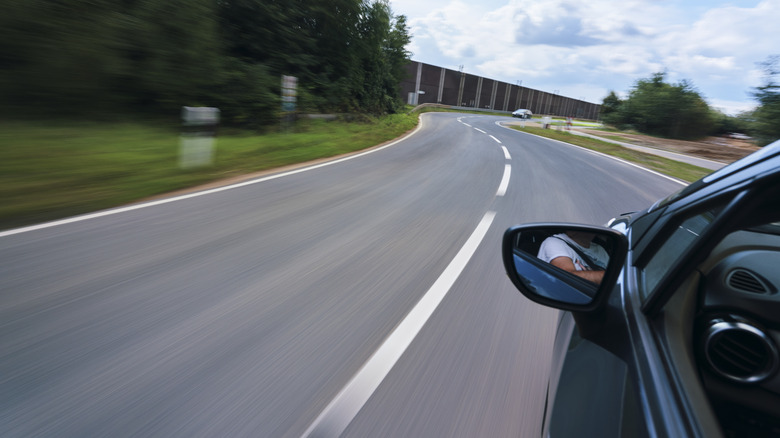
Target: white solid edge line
<point x="504" y="181"/>
<point x="506" y="152"/>
<point x="203" y="193"/>
<point x="497" y="140"/>
<point x="607" y="156"/>
<point x="335" y="418"/>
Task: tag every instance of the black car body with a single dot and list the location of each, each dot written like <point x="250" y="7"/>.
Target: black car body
<point x="681" y="336"/>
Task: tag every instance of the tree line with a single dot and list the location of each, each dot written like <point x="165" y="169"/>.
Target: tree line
<point x="154" y="56"/>
<point x="656" y="107"/>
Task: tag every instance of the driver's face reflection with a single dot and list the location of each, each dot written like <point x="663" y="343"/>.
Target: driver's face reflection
<point x="583" y="238"/>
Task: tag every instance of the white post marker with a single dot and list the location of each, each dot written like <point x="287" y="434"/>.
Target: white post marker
<point x="196" y="147"/>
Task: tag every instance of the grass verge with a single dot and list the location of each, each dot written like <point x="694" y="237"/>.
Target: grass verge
<point x="675" y="169"/>
<point x="55" y="169"/>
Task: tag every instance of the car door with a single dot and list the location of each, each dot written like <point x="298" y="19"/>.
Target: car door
<point x="724" y="384"/>
<point x="617" y="377"/>
<point x="593" y="390"/>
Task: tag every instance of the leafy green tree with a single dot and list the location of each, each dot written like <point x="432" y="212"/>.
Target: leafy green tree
<point x="56" y="54"/>
<point x="610" y="108"/>
<point x="724" y="124"/>
<point x="345" y="53"/>
<point x="658" y="108"/>
<point x="107" y="54"/>
<point x="308" y="39"/>
<point x="76" y="56"/>
<point x="766" y="118"/>
<point x="382" y="55"/>
<point x="246" y="93"/>
<point x="397" y="57"/>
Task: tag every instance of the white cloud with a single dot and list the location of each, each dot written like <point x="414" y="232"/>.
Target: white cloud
<point x="600" y="45"/>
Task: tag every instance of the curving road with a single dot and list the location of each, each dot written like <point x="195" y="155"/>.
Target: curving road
<point x="364" y="297"/>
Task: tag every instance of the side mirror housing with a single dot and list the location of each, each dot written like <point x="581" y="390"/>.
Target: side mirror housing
<point x="589" y="260"/>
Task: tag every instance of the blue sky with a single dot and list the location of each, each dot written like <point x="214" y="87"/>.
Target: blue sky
<point x="586" y="49"/>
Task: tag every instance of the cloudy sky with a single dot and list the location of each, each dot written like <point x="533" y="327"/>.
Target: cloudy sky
<point x="584" y="49"/>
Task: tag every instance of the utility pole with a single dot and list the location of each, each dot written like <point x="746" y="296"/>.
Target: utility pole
<point x="462" y="83"/>
<point x="479" y="92"/>
<point x="441" y="85"/>
<point x="417" y="84"/>
<point x="520" y="94"/>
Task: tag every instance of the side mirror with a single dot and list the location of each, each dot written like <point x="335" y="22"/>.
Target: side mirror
<point x="565" y="266"/>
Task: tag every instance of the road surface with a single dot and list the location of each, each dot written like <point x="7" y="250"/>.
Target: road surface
<point x="256" y="310"/>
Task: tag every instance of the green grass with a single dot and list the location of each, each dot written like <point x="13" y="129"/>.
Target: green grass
<point x="676" y="169"/>
<point x="55" y="169"/>
<point x="607" y="128"/>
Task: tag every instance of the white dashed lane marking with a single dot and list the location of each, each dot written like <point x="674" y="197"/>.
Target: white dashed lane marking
<point x="506" y="152"/>
<point x="504" y="181"/>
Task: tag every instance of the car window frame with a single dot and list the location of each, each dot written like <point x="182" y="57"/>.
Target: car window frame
<point x="671" y="251"/>
<point x="733" y="209"/>
<point x="739" y="186"/>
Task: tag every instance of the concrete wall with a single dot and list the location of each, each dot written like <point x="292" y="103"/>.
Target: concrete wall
<point x="450" y="87"/>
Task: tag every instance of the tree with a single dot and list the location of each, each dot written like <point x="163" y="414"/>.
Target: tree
<point x="610" y="108"/>
<point x="397" y="57"/>
<point x="157" y="55"/>
<point x="724" y="124"/>
<point x="105" y="54"/>
<point x="55" y="54"/>
<point x="347" y="54"/>
<point x="658" y="108"/>
<point x="381" y="55"/>
<point x="766" y="118"/>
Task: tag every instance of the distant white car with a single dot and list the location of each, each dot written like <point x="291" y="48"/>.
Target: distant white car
<point x="522" y="113"/>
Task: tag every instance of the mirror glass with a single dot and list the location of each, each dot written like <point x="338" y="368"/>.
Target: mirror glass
<point x="562" y="264"/>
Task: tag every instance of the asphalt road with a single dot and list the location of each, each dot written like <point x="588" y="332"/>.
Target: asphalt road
<point x="248" y="311"/>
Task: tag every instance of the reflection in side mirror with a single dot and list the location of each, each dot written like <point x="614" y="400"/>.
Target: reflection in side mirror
<point x="565" y="266"/>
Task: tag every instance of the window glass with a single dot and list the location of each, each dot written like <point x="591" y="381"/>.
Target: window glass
<point x="672" y="250"/>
